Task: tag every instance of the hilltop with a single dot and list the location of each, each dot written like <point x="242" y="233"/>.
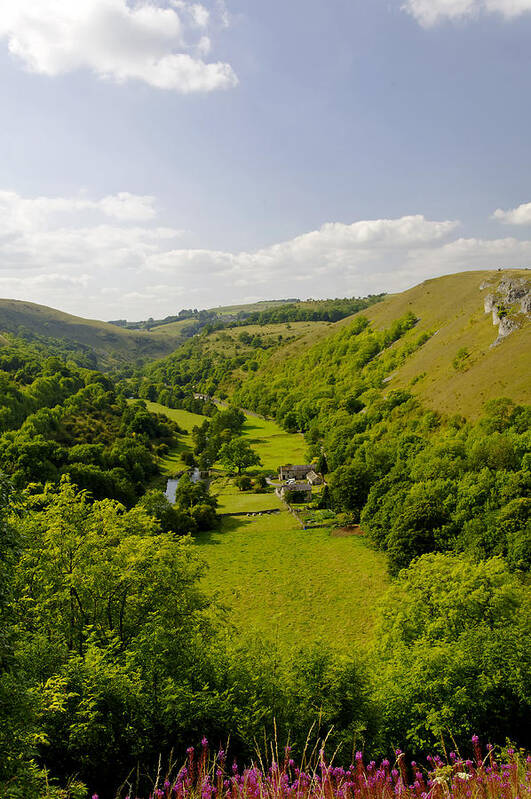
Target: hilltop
<point x="102" y="343"/>
<point x="460" y="364"/>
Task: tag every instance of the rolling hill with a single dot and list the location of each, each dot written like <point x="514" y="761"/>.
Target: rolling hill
<point x="457" y="368"/>
<point x="108" y="344"/>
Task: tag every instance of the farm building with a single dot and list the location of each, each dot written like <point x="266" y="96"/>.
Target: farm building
<point x="314" y="479"/>
<point x="299" y="488"/>
<point x="290" y="472"/>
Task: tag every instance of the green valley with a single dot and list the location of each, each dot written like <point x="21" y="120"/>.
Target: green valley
<point x="383" y="601"/>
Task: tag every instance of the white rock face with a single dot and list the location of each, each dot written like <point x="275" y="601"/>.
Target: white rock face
<point x="489" y="303"/>
<point x="501" y="304"/>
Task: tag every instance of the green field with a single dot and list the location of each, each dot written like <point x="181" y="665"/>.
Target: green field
<point x="228" y="341"/>
<point x="274" y="446"/>
<point x="280" y="582"/>
<point x="294" y="586"/>
<point x="231" y="500"/>
<point x="172" y="463"/>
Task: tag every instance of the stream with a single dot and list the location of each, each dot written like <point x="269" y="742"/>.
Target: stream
<point x="171" y="485"/>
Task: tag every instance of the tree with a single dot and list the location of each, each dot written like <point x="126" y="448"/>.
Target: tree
<point x="349" y="487"/>
<point x="112" y="624"/>
<point x="189" y="494"/>
<point x="170" y="519"/>
<point x="453" y="653"/>
<point x="238" y="454"/>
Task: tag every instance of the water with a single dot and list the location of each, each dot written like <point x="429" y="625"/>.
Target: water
<point x="171" y="485"/>
<point x="195" y="475"/>
<point x="171" y="488"/>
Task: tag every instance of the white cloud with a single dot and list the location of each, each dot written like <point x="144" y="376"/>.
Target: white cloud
<point x="431" y="12"/>
<point x="161" y="46"/>
<point x="514" y="216"/>
<point x="30" y="213"/>
<point x="128" y="207"/>
<point x="110" y="258"/>
<point x="53" y="248"/>
<point x="332" y="257"/>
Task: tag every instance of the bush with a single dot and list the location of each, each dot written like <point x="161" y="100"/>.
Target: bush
<point x="244" y="483"/>
<point x="188" y="458"/>
<point x="295" y="496"/>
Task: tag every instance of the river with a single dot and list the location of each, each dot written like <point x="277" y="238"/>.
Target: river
<point x="171" y="485"/>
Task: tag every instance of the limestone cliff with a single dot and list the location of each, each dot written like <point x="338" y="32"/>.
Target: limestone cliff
<point x="510" y="305"/>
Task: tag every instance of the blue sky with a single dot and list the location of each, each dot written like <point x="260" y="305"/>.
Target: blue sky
<point x="180" y="154"/>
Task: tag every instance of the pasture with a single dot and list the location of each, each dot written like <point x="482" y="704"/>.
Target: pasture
<point x="292" y="586"/>
<point x="273" y="444"/>
<point x="173" y="463"/>
<point x="281" y="583"/>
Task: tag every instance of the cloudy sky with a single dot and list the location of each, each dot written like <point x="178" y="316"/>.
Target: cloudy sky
<point x="161" y="154"/>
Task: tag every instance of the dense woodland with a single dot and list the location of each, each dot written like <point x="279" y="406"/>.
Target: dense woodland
<point x="112" y="656"/>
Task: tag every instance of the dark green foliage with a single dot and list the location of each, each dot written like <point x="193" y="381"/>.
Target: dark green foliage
<point x="237" y="454"/>
<point x="244" y="483"/>
<point x="188" y="458"/>
<point x="319" y="311"/>
<point x="169" y="519"/>
<point x="70" y="421"/>
<point x="295" y="497"/>
<point x="453" y="651"/>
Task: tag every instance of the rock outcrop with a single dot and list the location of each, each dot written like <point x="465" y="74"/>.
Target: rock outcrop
<point x="510" y="305"/>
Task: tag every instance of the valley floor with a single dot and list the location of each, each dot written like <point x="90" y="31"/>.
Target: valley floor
<point x="294" y="586"/>
<point x="282" y="583"/>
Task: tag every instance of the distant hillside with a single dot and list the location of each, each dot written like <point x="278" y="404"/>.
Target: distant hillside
<point x="191" y="321"/>
<point x="191" y="315"/>
<point x="103" y="345"/>
<point x="456" y="369"/>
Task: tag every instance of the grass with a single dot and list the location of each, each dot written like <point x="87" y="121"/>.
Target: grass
<point x="173" y="463"/>
<point x="111" y="344"/>
<point x="274" y="446"/>
<point x="260" y="305"/>
<point x="228" y="341"/>
<point x="453" y="307"/>
<point x="232" y="500"/>
<point x="279" y="581"/>
<point x="294" y="586"/>
<point x="450" y="308"/>
<point x="488" y="775"/>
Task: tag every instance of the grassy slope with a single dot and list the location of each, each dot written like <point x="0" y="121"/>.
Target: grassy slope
<point x="254" y="307"/>
<point x="292" y="585"/>
<point x="229" y="310"/>
<point x="109" y="342"/>
<point x="172" y="328"/>
<point x="452" y="306"/>
<point x="226" y="341"/>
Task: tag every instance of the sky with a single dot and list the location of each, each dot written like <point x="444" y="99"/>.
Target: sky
<point x="168" y="154"/>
